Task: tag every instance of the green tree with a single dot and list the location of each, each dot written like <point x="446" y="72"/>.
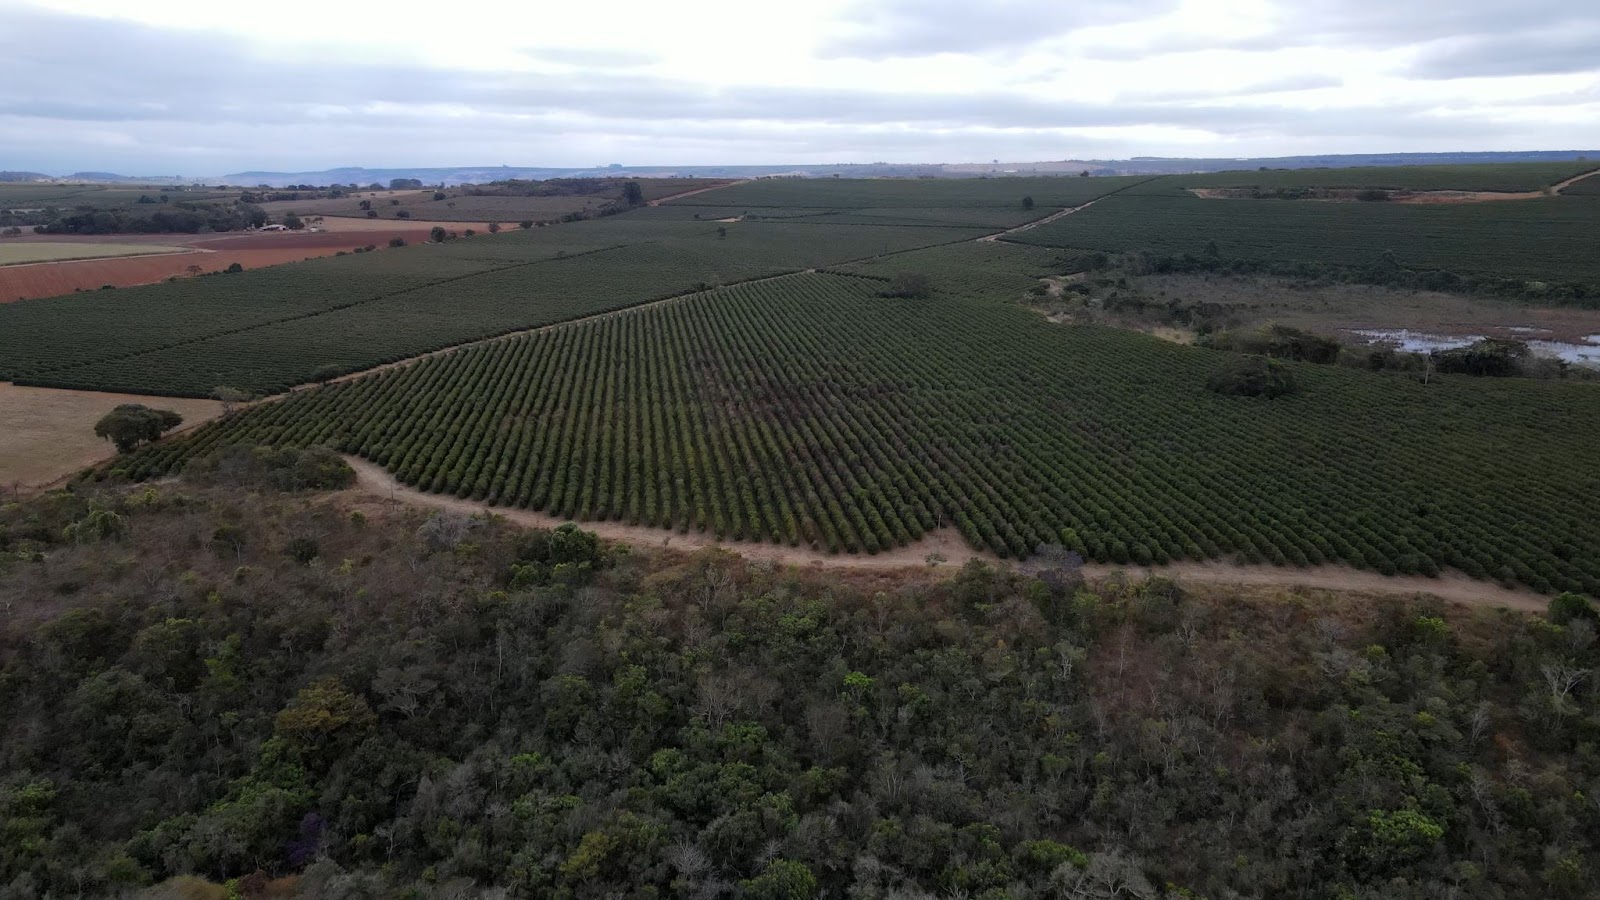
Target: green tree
<point x="1027" y="203"/>
<point x="438" y="234"/>
<point x="293" y="222"/>
<point x="632" y="193"/>
<point x="782" y="879"/>
<point x="909" y="286"/>
<point x="132" y="424"/>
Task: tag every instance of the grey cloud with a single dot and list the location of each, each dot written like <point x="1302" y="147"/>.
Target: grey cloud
<point x="1514" y="54"/>
<point x="162" y="99"/>
<point x="878" y="29"/>
<point x="1388" y="24"/>
<point x="1308" y="82"/>
<point x="1381" y="25"/>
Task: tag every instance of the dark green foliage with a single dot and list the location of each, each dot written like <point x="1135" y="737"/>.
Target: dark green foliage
<point x="782" y="879"/>
<point x="302" y="550"/>
<point x="909" y="286"/>
<point x="807" y="410"/>
<point x="395" y="722"/>
<point x="1490" y="246"/>
<point x="131" y="424"/>
<point x="1254" y="376"/>
<point x="1568" y="607"/>
<point x="632" y="193"/>
<point x="1279" y="342"/>
<point x="278" y="468"/>
<point x="1491" y="356"/>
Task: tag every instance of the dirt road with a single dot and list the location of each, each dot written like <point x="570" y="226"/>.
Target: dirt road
<point x="1036" y="222"/>
<point x="951" y="550"/>
<point x="660" y="200"/>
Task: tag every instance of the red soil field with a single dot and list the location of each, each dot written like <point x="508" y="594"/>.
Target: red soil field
<point x="212" y="252"/>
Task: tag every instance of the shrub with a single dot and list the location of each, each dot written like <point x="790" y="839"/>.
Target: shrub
<point x="1254" y="376"/>
<point x="909" y="286"/>
<point x="275" y="468"/>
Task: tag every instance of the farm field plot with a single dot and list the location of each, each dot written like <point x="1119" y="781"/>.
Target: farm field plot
<point x="265" y="331"/>
<point x="464" y="204"/>
<point x="1510" y="177"/>
<point x="915" y="194"/>
<point x="49" y="434"/>
<point x="990" y="217"/>
<point x="989" y="269"/>
<point x="809" y="410"/>
<point x="1550" y="239"/>
<point x="20" y="253"/>
<point x="101" y="196"/>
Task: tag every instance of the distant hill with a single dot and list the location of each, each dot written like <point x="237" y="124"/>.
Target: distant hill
<point x="22" y="176"/>
<point x="1142" y="165"/>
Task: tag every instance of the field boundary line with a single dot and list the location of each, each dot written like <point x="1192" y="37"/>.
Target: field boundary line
<point x="1061" y="214"/>
<point x="377" y="481"/>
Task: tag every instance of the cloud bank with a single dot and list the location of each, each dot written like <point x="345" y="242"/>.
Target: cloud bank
<point x="176" y="87"/>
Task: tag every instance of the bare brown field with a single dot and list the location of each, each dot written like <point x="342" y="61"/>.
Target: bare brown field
<point x="210" y="252"/>
<point x="49" y="433"/>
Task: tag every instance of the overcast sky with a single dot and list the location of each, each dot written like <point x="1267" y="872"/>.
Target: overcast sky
<point x="207" y="88"/>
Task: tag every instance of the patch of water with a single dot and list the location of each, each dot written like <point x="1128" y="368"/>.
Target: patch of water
<point x="1528" y="329"/>
<point x="1418" y="341"/>
<point x="1586" y="354"/>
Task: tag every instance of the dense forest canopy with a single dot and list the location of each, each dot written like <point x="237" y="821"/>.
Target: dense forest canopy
<point x="312" y="695"/>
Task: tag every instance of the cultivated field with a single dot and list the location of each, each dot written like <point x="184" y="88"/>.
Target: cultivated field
<point x="19" y="253"/>
<point x="100" y="196"/>
<point x="1511" y="177"/>
<point x="1550" y="239"/>
<point x="267" y="330"/>
<point x="165" y="257"/>
<point x="738" y="364"/>
<point x="810" y="410"/>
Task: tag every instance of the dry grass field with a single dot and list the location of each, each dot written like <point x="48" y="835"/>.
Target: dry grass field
<point x="49" y="433"/>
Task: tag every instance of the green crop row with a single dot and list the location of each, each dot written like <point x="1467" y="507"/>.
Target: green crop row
<point x="809" y="410"/>
<point x="1549" y="239"/>
<point x="1513" y="177"/>
<point x="265" y="330"/>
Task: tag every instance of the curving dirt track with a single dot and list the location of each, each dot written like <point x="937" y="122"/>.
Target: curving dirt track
<point x="373" y="479"/>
